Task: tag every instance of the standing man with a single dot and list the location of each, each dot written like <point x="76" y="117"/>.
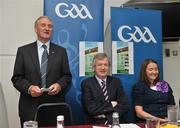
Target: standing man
<point x="41" y="71"/>
<point x="103" y="94"/>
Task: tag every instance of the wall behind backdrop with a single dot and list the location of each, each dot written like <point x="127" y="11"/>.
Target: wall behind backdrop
<point x="16" y="29"/>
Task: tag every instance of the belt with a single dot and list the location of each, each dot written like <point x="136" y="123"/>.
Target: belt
<point x="102" y="116"/>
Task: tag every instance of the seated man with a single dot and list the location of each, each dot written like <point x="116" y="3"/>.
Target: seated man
<point x="103" y="94"/>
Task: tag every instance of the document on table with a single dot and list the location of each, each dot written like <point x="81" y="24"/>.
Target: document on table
<point x="101" y="126"/>
<point x="130" y="125"/>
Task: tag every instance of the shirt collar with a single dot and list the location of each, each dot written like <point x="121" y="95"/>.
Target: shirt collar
<point x="100" y="80"/>
<point x="39" y="44"/>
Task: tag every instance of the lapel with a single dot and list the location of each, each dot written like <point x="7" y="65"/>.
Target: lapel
<point x="52" y="55"/>
<point x="108" y="83"/>
<point x="34" y="55"/>
<point x="97" y="85"/>
<point x="108" y="86"/>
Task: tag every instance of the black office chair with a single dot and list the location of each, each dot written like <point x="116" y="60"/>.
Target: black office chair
<point x="47" y="113"/>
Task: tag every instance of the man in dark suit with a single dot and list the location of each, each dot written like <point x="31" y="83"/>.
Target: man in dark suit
<point x="99" y="101"/>
<point x="28" y="77"/>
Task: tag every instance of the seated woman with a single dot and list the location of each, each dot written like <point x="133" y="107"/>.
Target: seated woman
<point x="150" y="95"/>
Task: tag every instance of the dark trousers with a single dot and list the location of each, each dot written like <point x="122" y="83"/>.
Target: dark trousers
<point x="22" y="122"/>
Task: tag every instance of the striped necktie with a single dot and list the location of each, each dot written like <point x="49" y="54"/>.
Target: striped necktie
<point x="104" y="89"/>
<point x="44" y="62"/>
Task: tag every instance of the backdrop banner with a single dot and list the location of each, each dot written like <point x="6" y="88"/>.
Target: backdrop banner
<point x="75" y="21"/>
<point x="136" y="35"/>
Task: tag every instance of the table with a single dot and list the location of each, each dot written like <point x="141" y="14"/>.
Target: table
<point x="90" y="126"/>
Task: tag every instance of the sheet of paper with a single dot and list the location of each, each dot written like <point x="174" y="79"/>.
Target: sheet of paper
<point x="130" y="125"/>
<point x="101" y="127"/>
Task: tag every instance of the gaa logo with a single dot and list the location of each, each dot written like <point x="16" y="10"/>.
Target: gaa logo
<point x="136" y="34"/>
<point x="63" y="10"/>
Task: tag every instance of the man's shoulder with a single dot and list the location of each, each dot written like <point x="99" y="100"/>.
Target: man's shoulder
<point x="113" y="78"/>
<point x="89" y="79"/>
<point x="27" y="45"/>
<point x="56" y="46"/>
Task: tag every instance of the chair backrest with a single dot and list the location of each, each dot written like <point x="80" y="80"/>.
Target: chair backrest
<point x="47" y="113"/>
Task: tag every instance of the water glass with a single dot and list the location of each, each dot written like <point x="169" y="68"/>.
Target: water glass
<point x="30" y="124"/>
<point x="60" y="121"/>
<point x="150" y="123"/>
<point x="172" y="112"/>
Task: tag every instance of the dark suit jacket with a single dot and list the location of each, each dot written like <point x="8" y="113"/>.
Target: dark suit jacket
<point x="27" y="72"/>
<point x="93" y="98"/>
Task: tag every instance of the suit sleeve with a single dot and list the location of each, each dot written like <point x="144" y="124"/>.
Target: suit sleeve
<point x="66" y="77"/>
<point x="122" y="107"/>
<point x="94" y="105"/>
<point x="18" y="78"/>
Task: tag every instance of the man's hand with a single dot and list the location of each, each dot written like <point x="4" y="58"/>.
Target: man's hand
<point x="54" y="89"/>
<point x="34" y="91"/>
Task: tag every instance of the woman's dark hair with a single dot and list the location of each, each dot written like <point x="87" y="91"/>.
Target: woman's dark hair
<point x="142" y="75"/>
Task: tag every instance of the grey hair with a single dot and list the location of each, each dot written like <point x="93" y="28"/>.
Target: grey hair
<point x="36" y="22"/>
<point x="100" y="56"/>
